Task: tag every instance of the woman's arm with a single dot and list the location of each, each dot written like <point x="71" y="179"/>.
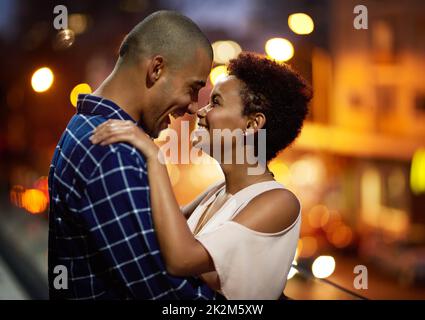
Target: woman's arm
<point x="182" y="253"/>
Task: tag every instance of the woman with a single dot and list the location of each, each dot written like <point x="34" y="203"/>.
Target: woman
<point x="239" y="236"/>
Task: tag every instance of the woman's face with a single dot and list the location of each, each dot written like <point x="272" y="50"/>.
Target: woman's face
<point x="225" y="108"/>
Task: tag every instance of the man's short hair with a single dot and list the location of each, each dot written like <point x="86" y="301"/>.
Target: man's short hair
<point x="166" y="33"/>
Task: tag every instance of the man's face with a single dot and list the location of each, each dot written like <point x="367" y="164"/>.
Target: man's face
<point x="176" y="92"/>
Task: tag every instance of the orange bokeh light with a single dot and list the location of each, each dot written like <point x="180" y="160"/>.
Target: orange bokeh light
<point x="34" y="201"/>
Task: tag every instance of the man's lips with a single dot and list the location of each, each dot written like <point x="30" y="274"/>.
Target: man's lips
<point x="178" y="113"/>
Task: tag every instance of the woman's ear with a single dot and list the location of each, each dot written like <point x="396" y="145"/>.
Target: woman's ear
<point x="154" y="70"/>
<point x="256" y="121"/>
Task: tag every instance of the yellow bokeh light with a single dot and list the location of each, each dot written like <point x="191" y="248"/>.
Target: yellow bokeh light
<point x="301" y="23"/>
<point x="79" y="89"/>
<point x="225" y="50"/>
<point x="279" y="49"/>
<point x="42" y="79"/>
<point x="281" y="171"/>
<point x="323" y="267"/>
<point x="34" y="201"/>
<point x="417" y="172"/>
<point x="218" y="73"/>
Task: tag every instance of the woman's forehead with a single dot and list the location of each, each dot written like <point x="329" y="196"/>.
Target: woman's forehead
<point x="227" y="86"/>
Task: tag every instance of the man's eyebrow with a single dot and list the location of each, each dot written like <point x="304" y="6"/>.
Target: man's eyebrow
<point x="199" y="83"/>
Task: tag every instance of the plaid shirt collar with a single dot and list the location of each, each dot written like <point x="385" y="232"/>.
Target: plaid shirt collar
<point x="88" y="104"/>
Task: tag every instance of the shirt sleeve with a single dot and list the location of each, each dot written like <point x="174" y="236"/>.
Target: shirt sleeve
<point x="119" y="222"/>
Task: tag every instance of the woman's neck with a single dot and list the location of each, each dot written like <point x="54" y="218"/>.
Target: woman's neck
<point x="237" y="177"/>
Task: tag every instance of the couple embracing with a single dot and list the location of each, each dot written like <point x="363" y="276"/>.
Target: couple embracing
<point x="114" y="221"/>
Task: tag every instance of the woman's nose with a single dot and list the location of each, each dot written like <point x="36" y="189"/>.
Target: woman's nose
<point x="203" y="111"/>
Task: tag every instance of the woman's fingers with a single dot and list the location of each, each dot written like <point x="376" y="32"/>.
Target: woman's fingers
<point x="110" y="131"/>
<point x="112" y="123"/>
<point x="114" y="139"/>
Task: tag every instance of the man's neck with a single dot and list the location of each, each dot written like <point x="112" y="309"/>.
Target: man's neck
<point x="115" y="88"/>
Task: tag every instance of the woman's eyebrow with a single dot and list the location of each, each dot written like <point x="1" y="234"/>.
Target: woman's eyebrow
<point x="216" y="95"/>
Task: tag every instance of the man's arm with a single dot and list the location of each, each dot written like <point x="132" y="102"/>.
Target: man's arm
<point x="118" y="218"/>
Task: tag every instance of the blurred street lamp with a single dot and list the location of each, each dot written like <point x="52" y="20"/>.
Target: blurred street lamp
<point x="42" y="79"/>
<point x="279" y="49"/>
<point x="301" y="23"/>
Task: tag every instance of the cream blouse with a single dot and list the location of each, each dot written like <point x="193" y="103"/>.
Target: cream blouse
<point x="250" y="264"/>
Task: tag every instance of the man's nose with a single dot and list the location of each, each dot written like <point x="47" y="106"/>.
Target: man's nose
<point x="193" y="108"/>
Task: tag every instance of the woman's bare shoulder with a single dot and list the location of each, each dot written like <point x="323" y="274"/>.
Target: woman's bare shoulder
<point x="270" y="212"/>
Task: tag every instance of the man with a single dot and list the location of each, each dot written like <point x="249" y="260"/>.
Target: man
<point x="100" y="225"/>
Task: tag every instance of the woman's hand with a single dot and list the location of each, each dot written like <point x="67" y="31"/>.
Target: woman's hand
<point x="113" y="131"/>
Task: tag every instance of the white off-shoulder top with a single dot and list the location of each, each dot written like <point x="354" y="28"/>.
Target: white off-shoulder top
<point x="250" y="264"/>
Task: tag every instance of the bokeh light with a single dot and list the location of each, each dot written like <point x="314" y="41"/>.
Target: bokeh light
<point x="78" y="22"/>
<point x="301" y="23"/>
<point x="323" y="267"/>
<point x="64" y="39"/>
<point x="318" y="216"/>
<point x="42" y="184"/>
<point x="417" y="172"/>
<point x="308" y="246"/>
<point x="307" y="172"/>
<point x="225" y="50"/>
<point x="280" y="171"/>
<point x="341" y="236"/>
<point x="79" y="89"/>
<point x="218" y="73"/>
<point x="279" y="49"/>
<point x="42" y="79"/>
<point x="34" y="201"/>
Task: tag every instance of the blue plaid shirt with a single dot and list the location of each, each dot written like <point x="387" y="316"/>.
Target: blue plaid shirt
<point x="100" y="223"/>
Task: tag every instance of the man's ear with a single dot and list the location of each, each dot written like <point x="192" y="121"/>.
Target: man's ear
<point x="154" y="70"/>
<point x="256" y="121"/>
